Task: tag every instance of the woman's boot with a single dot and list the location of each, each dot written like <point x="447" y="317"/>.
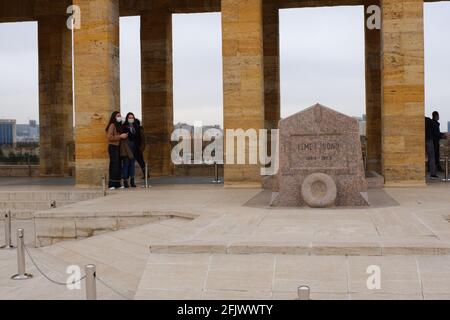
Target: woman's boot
<point x="133" y="185"/>
<point x="125" y="183"/>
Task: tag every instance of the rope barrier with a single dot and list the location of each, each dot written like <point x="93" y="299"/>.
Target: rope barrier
<point x="112" y="288"/>
<point x="90" y="270"/>
<point x="60" y="283"/>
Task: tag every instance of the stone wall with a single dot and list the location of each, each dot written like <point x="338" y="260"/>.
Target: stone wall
<point x="19" y="171"/>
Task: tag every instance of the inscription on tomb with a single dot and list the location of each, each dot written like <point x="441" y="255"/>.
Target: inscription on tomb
<point x="323" y="151"/>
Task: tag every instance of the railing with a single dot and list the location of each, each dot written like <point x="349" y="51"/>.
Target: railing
<point x="90" y="276"/>
<point x="447" y="178"/>
<point x="304" y="293"/>
<point x="8" y="243"/>
<point x="216" y="173"/>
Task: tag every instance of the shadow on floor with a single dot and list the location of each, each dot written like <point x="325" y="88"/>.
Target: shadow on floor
<point x="378" y="198"/>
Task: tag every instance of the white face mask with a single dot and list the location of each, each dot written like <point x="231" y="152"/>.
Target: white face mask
<point x="130" y="121"/>
<point x="119" y="119"/>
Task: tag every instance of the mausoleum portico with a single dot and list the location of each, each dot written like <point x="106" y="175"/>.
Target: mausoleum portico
<point x="251" y="80"/>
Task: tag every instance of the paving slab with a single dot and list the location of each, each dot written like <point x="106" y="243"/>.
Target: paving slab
<point x="214" y="245"/>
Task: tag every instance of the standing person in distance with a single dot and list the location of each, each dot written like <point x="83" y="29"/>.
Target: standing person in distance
<point x="437" y="137"/>
<point x="115" y="136"/>
<point x="139" y="156"/>
<point x="129" y="150"/>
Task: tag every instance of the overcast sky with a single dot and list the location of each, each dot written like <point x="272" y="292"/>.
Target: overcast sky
<point x="322" y="60"/>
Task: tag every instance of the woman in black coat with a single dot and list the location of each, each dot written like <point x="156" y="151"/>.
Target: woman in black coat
<point x="128" y="159"/>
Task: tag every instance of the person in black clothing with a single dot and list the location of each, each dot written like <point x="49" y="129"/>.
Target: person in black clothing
<point x="139" y="156"/>
<point x="129" y="162"/>
<point x="437" y="137"/>
<point x="115" y="136"/>
<point x="429" y="144"/>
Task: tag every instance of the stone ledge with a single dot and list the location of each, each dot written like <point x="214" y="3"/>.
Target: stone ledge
<point x="95" y="214"/>
<point x="374" y="180"/>
<point x="324" y="249"/>
<point x="52" y="227"/>
<point x="72" y="195"/>
<point x="19" y="171"/>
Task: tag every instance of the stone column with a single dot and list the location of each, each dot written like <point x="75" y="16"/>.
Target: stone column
<point x="157" y="84"/>
<point x="271" y="30"/>
<point x="55" y="95"/>
<point x="403" y="138"/>
<point x="373" y="96"/>
<point x="243" y="78"/>
<point x="96" y="86"/>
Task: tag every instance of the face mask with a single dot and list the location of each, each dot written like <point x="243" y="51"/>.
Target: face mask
<point x="119" y="119"/>
<point x="130" y="121"/>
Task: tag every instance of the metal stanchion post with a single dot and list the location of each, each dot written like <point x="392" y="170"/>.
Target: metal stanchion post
<point x="8" y="243"/>
<point x="29" y="166"/>
<point x="104" y="185"/>
<point x="146" y="175"/>
<point x="216" y="173"/>
<point x="146" y="184"/>
<point x="304" y="293"/>
<point x="91" y="282"/>
<point x="446" y="170"/>
<point x="21" y="275"/>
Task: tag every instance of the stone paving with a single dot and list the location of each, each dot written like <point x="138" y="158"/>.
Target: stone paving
<point x="238" y="248"/>
<point x="225" y="223"/>
<point x="219" y="276"/>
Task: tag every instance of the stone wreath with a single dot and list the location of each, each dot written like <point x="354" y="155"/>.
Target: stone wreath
<point x="319" y="191"/>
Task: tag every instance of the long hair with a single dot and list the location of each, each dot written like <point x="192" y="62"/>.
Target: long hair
<point x="113" y="121"/>
<point x="128" y="115"/>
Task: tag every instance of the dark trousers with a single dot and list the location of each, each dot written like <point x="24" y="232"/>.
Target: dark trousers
<point x="437" y="153"/>
<point x="128" y="168"/>
<point x="114" y="166"/>
<point x="140" y="160"/>
<point x="431" y="157"/>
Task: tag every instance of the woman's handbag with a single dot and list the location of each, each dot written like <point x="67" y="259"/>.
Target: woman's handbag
<point x="125" y="151"/>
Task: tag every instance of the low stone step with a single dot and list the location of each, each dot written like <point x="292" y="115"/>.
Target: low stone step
<point x="33" y="205"/>
<point x="18" y="214"/>
<point x="74" y="195"/>
<point x="119" y="262"/>
<point x="70" y="223"/>
<point x="319" y="249"/>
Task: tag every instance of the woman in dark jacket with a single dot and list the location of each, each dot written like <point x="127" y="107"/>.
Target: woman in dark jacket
<point x="139" y="156"/>
<point x="114" y="136"/>
<point x="129" y="163"/>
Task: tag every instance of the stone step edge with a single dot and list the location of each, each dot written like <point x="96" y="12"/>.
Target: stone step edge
<point x="53" y="213"/>
<point x="318" y="250"/>
<point x="13" y="202"/>
<point x="54" y="191"/>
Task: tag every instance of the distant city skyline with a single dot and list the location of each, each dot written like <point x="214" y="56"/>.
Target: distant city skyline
<point x="315" y="65"/>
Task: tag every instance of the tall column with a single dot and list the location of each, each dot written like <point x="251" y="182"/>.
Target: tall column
<point x="403" y="138"/>
<point x="96" y="86"/>
<point x="271" y="36"/>
<point x="55" y="95"/>
<point x="373" y="97"/>
<point x="243" y="78"/>
<point x="157" y="84"/>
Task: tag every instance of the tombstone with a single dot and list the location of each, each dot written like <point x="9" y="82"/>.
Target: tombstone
<point x="320" y="161"/>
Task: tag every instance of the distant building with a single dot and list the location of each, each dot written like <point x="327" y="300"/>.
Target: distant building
<point x="7" y="132"/>
<point x="448" y="126"/>
<point x="362" y="125"/>
<point x="190" y="128"/>
<point x="28" y="132"/>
